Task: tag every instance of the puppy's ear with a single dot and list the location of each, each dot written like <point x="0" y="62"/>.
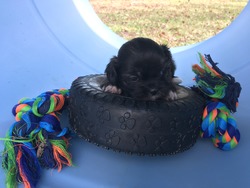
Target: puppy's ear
<point x="169" y="60"/>
<point x="112" y="71"/>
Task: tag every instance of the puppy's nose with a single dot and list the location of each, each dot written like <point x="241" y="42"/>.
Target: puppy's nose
<point x="153" y="91"/>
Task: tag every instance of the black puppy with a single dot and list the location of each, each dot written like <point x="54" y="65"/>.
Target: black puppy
<point x="142" y="70"/>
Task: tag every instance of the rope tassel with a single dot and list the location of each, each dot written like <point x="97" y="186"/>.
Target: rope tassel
<point x="36" y="140"/>
<point x="216" y="84"/>
<point x="29" y="170"/>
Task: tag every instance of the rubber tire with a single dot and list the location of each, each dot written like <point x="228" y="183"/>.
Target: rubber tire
<point x="133" y="126"/>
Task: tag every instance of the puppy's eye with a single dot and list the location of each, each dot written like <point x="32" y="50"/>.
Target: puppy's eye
<point x="134" y="78"/>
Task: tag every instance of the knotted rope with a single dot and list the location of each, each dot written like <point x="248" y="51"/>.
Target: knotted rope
<point x="219" y="125"/>
<point x="222" y="92"/>
<point x="36" y="140"/>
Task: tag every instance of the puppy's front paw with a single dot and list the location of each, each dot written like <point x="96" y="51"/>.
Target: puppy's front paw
<point x="172" y="96"/>
<point x="176" y="80"/>
<point x="112" y="89"/>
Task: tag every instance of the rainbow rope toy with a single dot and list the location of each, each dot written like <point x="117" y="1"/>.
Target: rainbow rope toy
<point x="222" y="92"/>
<point x="36" y="140"/>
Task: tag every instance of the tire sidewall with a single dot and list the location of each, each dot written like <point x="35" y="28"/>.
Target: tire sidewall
<point x="133" y="126"/>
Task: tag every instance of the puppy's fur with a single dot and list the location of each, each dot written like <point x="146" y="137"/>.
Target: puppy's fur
<point x="142" y="70"/>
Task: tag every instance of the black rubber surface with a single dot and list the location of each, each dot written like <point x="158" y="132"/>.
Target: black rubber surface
<point x="133" y="126"/>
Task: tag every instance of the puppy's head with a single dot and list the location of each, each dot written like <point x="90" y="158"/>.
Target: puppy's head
<point x="142" y="70"/>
